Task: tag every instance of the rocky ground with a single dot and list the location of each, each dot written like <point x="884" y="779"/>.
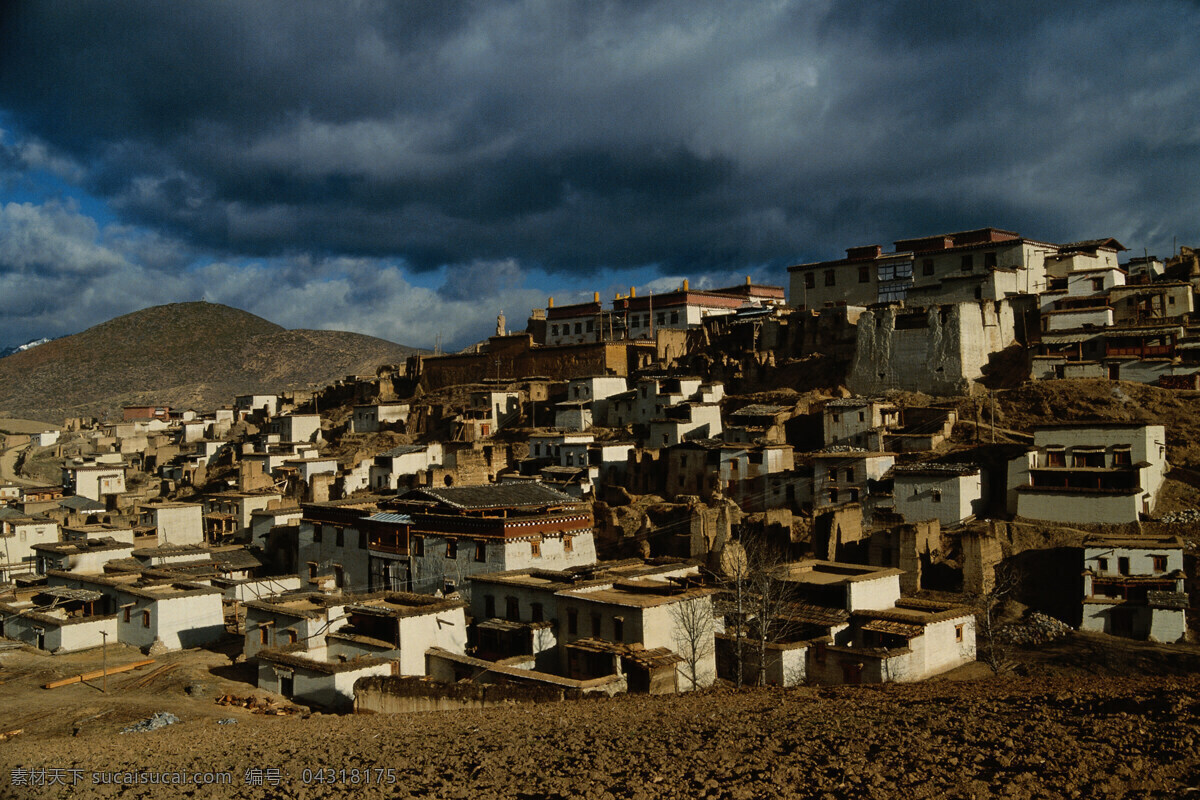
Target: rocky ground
<point x="1063" y="731"/>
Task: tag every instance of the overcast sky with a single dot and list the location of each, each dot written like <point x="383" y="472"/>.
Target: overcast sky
<point x="410" y="169"/>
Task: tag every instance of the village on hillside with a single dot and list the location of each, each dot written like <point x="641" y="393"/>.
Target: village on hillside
<point x="906" y="461"/>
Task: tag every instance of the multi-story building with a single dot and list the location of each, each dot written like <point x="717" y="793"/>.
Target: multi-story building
<point x="1100" y="472"/>
<point x="1134" y="587"/>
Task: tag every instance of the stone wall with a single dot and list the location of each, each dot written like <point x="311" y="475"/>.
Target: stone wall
<point x="939" y="350"/>
<point x="393" y="695"/>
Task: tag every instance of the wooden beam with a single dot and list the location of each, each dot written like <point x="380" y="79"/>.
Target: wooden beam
<point x="100" y="673"/>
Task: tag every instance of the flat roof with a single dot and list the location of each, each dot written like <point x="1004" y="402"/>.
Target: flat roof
<point x="830" y="573"/>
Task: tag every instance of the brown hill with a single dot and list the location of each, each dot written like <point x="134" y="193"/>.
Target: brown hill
<point x="184" y="355"/>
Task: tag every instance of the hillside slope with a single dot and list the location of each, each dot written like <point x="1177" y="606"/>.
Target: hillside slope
<point x="184" y="354"/>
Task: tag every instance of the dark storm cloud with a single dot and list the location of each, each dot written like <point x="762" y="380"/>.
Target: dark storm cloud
<point x="694" y="136"/>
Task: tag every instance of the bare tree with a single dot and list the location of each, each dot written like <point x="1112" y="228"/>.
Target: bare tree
<point x="756" y="602"/>
<point x="694" y="631"/>
<point x="989" y="607"/>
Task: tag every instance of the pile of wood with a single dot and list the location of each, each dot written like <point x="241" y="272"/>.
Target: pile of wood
<point x="141" y="683"/>
<point x="258" y="705"/>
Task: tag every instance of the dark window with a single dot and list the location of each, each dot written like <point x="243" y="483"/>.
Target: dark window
<point x="596" y="625"/>
<point x="829" y="279"/>
<point x="675" y="314"/>
<point x="512" y="609"/>
<point x="579" y="327"/>
<point x="312" y="570"/>
<point x="936" y="495"/>
<point x="833" y="495"/>
<point x="316" y="533"/>
<point x="864" y="274"/>
<point x="572" y="621"/>
<point x="989" y="260"/>
<point x="862" y="416"/>
<point x="618" y="629"/>
<point x="339" y="576"/>
<point x="810" y="280"/>
<point x="968" y="263"/>
<point x="927" y="266"/>
<point x="1122" y="457"/>
<point x="489" y="606"/>
<point x="451" y="548"/>
<point x="1103" y="562"/>
<point x="1098" y="284"/>
<point x="568" y="543"/>
<point x="535" y="548"/>
<point x="1056" y="458"/>
<point x="1160" y="563"/>
<point x="418" y="545"/>
<point x="535" y="612"/>
<point x="850" y="473"/>
<point x="291" y="637"/>
<point x="340" y="538"/>
<point x="263" y="635"/>
<point x="662" y="318"/>
<point x="1123" y="565"/>
<point x="362" y="540"/>
<point x="958" y="633"/>
<point x="554" y="330"/>
<point x="145" y="619"/>
<point x="127" y="610"/>
<point x="591" y="326"/>
<point x="481" y="551"/>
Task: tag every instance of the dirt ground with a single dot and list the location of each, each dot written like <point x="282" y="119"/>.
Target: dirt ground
<point x="1091" y="717"/>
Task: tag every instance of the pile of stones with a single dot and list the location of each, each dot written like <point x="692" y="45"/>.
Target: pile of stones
<point x="1035" y="628"/>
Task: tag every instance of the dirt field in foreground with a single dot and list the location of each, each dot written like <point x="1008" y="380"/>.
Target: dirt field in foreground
<point x="1061" y="732"/>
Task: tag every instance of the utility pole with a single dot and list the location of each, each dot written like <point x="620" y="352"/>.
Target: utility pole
<point x="993" y="395"/>
<point x="104" y="663"/>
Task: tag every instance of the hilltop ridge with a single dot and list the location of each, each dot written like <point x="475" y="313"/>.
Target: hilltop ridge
<point x="182" y="354"/>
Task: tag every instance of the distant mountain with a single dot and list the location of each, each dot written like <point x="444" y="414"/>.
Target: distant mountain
<point x="8" y="351"/>
<point x="195" y="355"/>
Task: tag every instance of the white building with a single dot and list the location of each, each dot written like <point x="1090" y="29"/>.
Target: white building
<point x="949" y="493"/>
<point x="858" y="422"/>
<point x="323" y="677"/>
<point x="685" y="422"/>
<point x="45" y="438"/>
<point x="847" y="476"/>
<point x="307" y="468"/>
<point x="385" y="634"/>
<point x="228" y="514"/>
<point x="371" y="418"/>
<point x="912" y="641"/>
<point x="406" y="459"/>
<point x="1134" y="587"/>
<point x="885" y="638"/>
<point x="19" y="534"/>
<point x="1103" y="472"/>
<point x="58" y="619"/>
<point x="433" y="539"/>
<point x="154" y="615"/>
<point x="95" y="480"/>
<point x="297" y="427"/>
<point x="82" y="556"/>
<point x="261" y="405"/>
<point x="303" y="618"/>
<point x="668" y="622"/>
<point x="175" y="523"/>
